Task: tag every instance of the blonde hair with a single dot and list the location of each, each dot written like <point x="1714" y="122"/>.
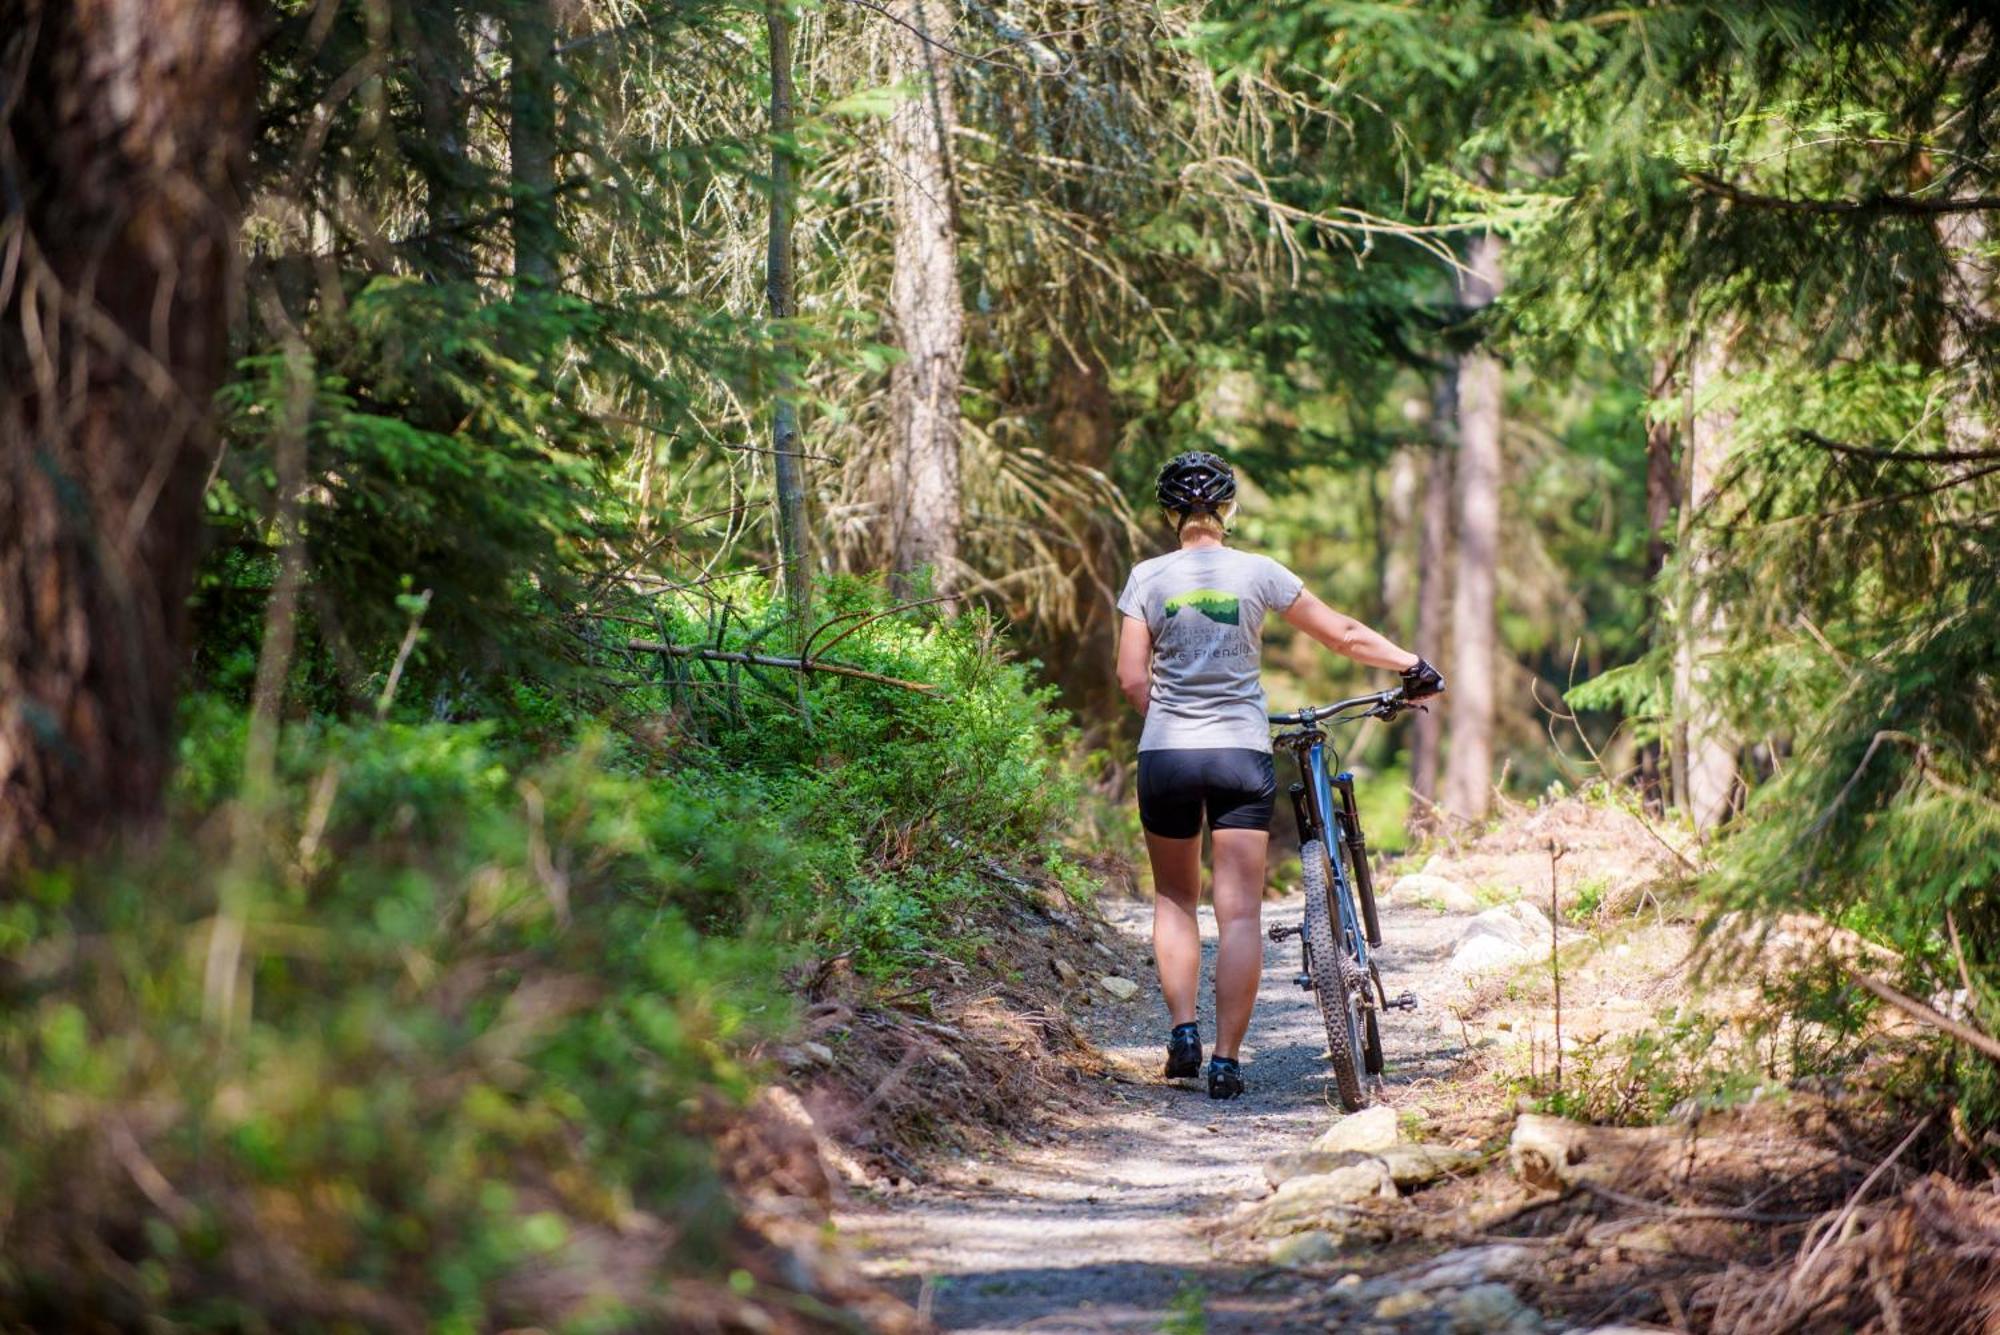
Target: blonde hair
<point x="1198" y="523"/>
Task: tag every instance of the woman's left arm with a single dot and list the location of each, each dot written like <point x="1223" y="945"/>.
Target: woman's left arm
<point x="1135" y="662"/>
<point x="1342" y="634"/>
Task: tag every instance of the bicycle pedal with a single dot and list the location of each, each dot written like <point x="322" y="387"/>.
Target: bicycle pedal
<point x="1304" y="981"/>
<point x="1406" y="1001"/>
<point x="1280" y="932"/>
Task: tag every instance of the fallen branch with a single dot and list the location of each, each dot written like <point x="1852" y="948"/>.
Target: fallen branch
<point x="1884" y="202"/>
<point x="774" y="661"/>
<point x="1839" y="1222"/>
<point x="1672" y="1210"/>
<point x="1917" y="1010"/>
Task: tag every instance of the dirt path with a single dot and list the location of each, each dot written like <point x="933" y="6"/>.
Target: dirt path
<point x="1100" y="1228"/>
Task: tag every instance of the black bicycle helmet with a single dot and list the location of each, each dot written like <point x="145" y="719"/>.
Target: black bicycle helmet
<point x="1196" y="481"/>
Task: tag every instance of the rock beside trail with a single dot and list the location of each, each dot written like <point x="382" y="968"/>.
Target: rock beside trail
<point x="1500" y="937"/>
<point x="1466" y="1290"/>
<point x="1414" y="1165"/>
<point x="1486" y="952"/>
<point x="1532" y="918"/>
<point x="1326" y="1201"/>
<point x="1313" y="1247"/>
<point x="1492" y="1308"/>
<point x="1408" y="1165"/>
<point x="1369" y="1130"/>
<point x="1282" y="1168"/>
<point x="1124" y="989"/>
<point x="1424" y="888"/>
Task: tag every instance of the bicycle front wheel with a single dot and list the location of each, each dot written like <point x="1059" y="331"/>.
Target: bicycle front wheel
<point x="1337" y="980"/>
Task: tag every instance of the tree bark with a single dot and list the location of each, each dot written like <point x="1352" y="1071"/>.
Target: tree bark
<point x="928" y="306"/>
<point x="439" y="64"/>
<point x="531" y="139"/>
<point x="1468" y="779"/>
<point x="1662" y="497"/>
<point x="1968" y="314"/>
<point x="1433" y="599"/>
<point x="128" y="134"/>
<point x="781" y="290"/>
<point x="1396" y="542"/>
<point x="1083" y="430"/>
<point x="1705" y="761"/>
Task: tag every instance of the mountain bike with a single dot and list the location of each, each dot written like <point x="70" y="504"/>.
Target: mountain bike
<point x="1341" y="925"/>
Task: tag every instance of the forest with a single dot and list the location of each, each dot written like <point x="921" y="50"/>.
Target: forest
<point x="548" y="547"/>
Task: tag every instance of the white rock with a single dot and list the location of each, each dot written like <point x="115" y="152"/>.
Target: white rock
<point x="1122" y="988"/>
<point x="1502" y="923"/>
<point x="1532" y="918"/>
<point x="1463" y="1267"/>
<point x="1486" y="952"/>
<point x="1488" y="1308"/>
<point x="1321" y="1199"/>
<point x="1419" y="886"/>
<point x="1459" y="900"/>
<point x="1314" y="1247"/>
<point x="1369" y="1130"/>
<point x="1408" y="1302"/>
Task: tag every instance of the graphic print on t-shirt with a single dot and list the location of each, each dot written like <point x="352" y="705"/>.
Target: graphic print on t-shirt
<point x="1211" y="603"/>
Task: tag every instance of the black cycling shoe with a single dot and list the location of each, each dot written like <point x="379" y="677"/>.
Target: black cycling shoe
<point x="1184" y="1052"/>
<point x="1225" y="1078"/>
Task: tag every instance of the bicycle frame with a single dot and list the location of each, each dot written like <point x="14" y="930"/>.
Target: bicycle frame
<point x="1313" y="803"/>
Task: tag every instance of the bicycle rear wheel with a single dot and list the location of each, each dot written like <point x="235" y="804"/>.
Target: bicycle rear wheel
<point x="1336" y="980"/>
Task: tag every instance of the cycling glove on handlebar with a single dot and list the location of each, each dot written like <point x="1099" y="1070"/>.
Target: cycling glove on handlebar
<point x="1422" y="681"/>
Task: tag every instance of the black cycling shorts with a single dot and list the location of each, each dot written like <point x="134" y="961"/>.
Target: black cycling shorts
<point x="1236" y="784"/>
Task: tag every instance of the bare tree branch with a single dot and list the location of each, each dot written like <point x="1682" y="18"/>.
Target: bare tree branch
<point x="1915" y="205"/>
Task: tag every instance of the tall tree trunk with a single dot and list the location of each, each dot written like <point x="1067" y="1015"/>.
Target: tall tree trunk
<point x="129" y="130"/>
<point x="1705" y="766"/>
<point x="1082" y="430"/>
<point x="531" y="139"/>
<point x="781" y="289"/>
<point x="439" y="65"/>
<point x="1396" y="542"/>
<point x="1968" y="314"/>
<point x="929" y="308"/>
<point x="1433" y="595"/>
<point x="1468" y="779"/>
<point x="1662" y="496"/>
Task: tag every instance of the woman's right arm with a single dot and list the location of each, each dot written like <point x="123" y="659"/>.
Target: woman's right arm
<point x="1344" y="635"/>
<point x="1135" y="662"/>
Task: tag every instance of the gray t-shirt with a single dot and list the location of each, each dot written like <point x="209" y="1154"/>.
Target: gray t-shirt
<point x="1206" y="609"/>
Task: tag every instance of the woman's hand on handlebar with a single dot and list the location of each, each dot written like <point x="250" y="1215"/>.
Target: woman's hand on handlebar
<point x="1421" y="681"/>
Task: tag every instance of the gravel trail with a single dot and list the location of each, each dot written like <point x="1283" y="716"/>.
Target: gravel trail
<point x="1099" y="1229"/>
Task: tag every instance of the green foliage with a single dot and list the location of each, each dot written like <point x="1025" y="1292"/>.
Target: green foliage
<point x="448" y="461"/>
<point x="447" y="1026"/>
<point x="906" y="799"/>
<point x="445" y="1008"/>
<point x="1187" y="1311"/>
<point x="1639" y="1079"/>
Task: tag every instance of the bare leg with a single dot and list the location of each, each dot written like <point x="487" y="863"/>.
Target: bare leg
<point x="1176" y="933"/>
<point x="1239" y="955"/>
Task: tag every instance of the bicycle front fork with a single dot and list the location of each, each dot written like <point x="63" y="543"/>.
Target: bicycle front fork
<point x="1349" y="820"/>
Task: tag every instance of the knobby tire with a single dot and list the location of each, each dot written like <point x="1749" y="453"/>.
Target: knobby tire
<point x="1333" y="976"/>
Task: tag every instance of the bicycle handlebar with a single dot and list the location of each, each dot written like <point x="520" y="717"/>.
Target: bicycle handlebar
<point x="1381" y="704"/>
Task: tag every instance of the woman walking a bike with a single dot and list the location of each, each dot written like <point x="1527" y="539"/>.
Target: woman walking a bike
<point x="1188" y="655"/>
